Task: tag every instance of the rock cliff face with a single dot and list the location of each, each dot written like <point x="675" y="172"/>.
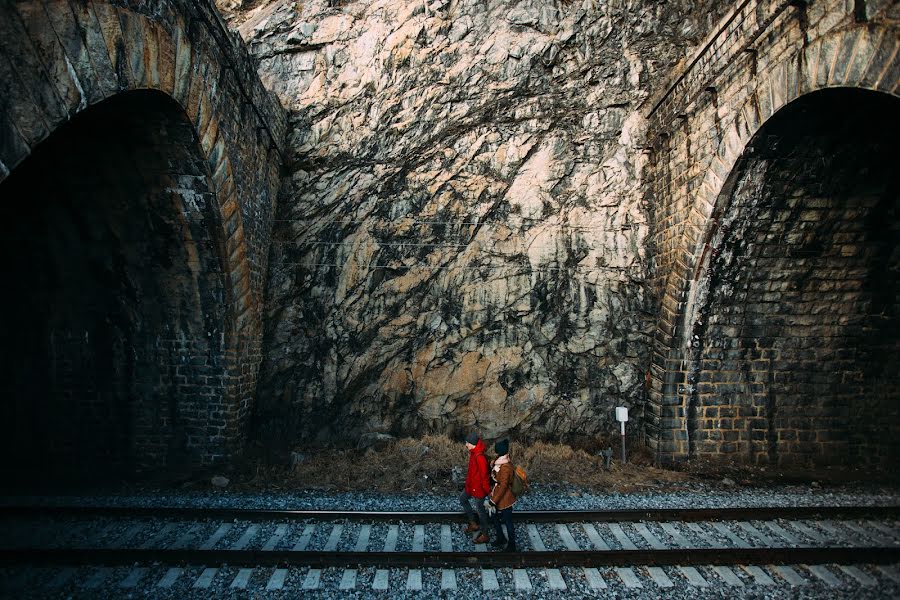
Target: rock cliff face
<point x="463" y="234"/>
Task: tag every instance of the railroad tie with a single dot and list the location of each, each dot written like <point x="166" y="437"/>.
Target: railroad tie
<point x="205" y="580"/>
<point x="836" y="534"/>
<point x="214" y="539"/>
<point x="889" y="572"/>
<point x="208" y="574"/>
<point x="362" y="541"/>
<point x="303" y="542"/>
<point x="628" y="577"/>
<point x="788" y="574"/>
<point x="823" y="574"/>
<point x="334" y="538"/>
<point x="163" y="533"/>
<point x="591" y="574"/>
<point x="892" y="533"/>
<point x="126" y="537"/>
<point x="171" y="576"/>
<point x="414" y="579"/>
<point x="731" y="535"/>
<point x="756" y="533"/>
<point x="348" y="578"/>
<point x="390" y="542"/>
<point x="649" y="537"/>
<point x="724" y="573"/>
<point x="521" y="581"/>
<point x="598" y="542"/>
<point x="620" y="536"/>
<point x="489" y="581"/>
<point x="312" y="579"/>
<point x="61" y="578"/>
<point x="864" y="579"/>
<point x="554" y="577"/>
<point x="760" y="577"/>
<point x="382" y="576"/>
<point x="186" y="538"/>
<point x="246" y="538"/>
<point x="690" y="573"/>
<point x="566" y="537"/>
<point x="728" y="576"/>
<point x="782" y="533"/>
<point x="693" y="576"/>
<point x="59" y="539"/>
<point x="702" y="535"/>
<point x="594" y="579"/>
<point x="280" y="532"/>
<point x="659" y="577"/>
<point x="242" y="579"/>
<point x="808" y="531"/>
<point x="448" y="576"/>
<point x="448" y="579"/>
<point x="276" y="581"/>
<point x="866" y="534"/>
<point x="134" y="577"/>
<point x="677" y="538"/>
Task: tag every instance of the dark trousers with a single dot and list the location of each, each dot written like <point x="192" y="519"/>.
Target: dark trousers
<point x="504" y="517"/>
<point x="470" y="514"/>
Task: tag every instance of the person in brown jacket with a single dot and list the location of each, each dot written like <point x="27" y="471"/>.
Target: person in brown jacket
<point x="502" y="499"/>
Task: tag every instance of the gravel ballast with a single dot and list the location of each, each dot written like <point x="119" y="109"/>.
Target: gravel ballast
<point x="127" y="582"/>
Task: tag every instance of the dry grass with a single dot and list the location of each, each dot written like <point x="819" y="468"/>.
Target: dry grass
<point x="438" y="465"/>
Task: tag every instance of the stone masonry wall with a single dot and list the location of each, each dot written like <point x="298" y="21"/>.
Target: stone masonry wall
<point x="115" y="354"/>
<point x="797" y="343"/>
<point x="62" y="58"/>
<point x="762" y="56"/>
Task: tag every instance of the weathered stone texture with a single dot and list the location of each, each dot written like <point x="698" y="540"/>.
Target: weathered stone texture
<point x="463" y="238"/>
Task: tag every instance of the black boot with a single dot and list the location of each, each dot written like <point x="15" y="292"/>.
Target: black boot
<point x="510" y="548"/>
<point x="499" y="542"/>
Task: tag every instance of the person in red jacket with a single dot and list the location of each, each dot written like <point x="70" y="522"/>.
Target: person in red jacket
<point x="477" y="486"/>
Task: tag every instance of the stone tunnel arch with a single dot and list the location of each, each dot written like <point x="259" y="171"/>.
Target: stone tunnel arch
<point x="114" y="344"/>
<point x="794" y="322"/>
<point x="60" y="59"/>
<point x="857" y="57"/>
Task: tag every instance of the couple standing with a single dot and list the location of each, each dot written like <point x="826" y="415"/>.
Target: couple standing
<point x="490" y="487"/>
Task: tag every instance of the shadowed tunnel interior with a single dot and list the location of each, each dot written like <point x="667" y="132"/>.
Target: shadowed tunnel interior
<point x="113" y="339"/>
<point x="797" y="339"/>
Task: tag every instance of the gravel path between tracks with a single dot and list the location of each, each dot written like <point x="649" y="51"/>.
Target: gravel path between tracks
<point x="556" y="498"/>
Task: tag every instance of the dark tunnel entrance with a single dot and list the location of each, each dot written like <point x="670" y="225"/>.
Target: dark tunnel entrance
<point x="113" y="336"/>
<point x="796" y="337"/>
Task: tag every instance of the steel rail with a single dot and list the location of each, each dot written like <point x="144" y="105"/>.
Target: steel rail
<point x="761" y="513"/>
<point x="317" y="559"/>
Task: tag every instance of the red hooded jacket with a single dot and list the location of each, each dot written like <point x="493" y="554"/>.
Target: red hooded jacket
<point x="478" y="484"/>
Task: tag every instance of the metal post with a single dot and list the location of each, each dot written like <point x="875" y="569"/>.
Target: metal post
<point x="622" y="417"/>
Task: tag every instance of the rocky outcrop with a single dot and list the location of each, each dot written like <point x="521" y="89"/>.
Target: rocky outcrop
<point x="463" y="237"/>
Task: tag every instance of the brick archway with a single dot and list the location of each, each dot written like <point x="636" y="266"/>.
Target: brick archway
<point x="62" y="58"/>
<point x="863" y="56"/>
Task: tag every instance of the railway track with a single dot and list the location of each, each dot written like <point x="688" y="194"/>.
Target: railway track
<point x="312" y="550"/>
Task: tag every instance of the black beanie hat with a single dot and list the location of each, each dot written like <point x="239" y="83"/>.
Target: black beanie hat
<point x="501" y="447"/>
<point x="472" y="438"/>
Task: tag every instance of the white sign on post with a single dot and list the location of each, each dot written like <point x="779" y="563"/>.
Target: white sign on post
<point x="622" y="417"/>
